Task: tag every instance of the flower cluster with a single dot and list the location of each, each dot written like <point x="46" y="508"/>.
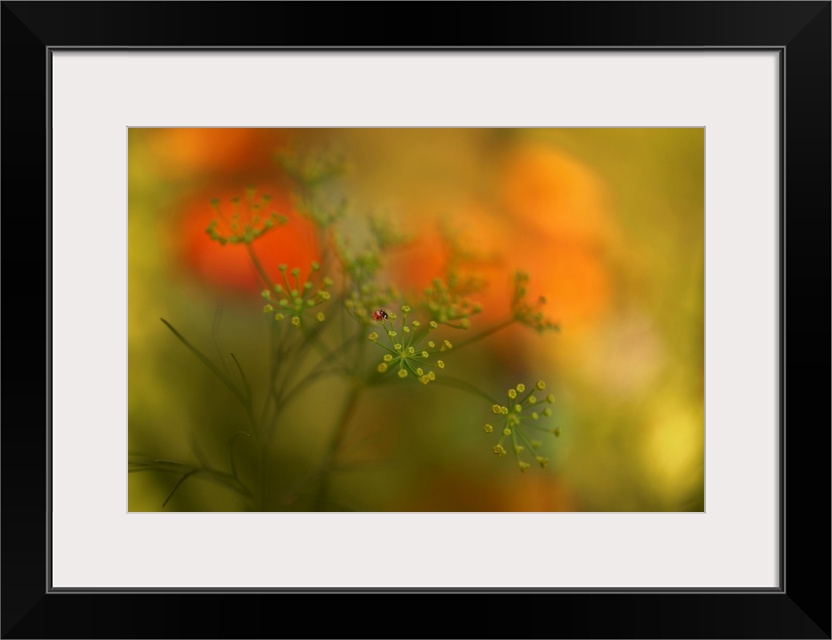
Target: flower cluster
<point x="386" y="234"/>
<point x="410" y="352"/>
<point x="526" y="313"/>
<point x="363" y="300"/>
<point x="295" y="300"/>
<point x="513" y="420"/>
<point x="310" y="172"/>
<point x="446" y="306"/>
<point x="247" y="222"/>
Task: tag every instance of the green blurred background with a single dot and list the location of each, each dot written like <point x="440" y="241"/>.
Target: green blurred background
<point x="609" y="223"/>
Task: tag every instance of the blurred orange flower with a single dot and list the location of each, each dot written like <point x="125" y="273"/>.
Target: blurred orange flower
<point x="449" y="491"/>
<point x="558" y="205"/>
<point x="469" y="245"/>
<point x="185" y="152"/>
<point x="229" y="266"/>
<point x="549" y="220"/>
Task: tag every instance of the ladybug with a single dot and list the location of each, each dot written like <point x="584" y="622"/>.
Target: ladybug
<point x="379" y="315"/>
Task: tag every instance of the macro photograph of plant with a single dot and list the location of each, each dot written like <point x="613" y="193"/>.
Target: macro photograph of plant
<point x="416" y="320"/>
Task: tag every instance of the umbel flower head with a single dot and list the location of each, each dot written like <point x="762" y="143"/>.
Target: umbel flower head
<point x="446" y="306"/>
<point x="364" y="299"/>
<point x="310" y="172"/>
<point x="523" y="412"/>
<point x="248" y="219"/>
<point x="386" y="234"/>
<point x="525" y="312"/>
<point x="410" y="353"/>
<point x="299" y="302"/>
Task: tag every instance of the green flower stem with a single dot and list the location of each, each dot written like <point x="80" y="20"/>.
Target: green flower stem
<point x="498" y="327"/>
<point x="243" y="396"/>
<point x="328" y="354"/>
<point x="289" y="361"/>
<point x="528" y="394"/>
<point x="281" y="393"/>
<point x="281" y="351"/>
<point x="530" y="425"/>
<point x="276" y="352"/>
<point x="169" y="466"/>
<point x="526" y="440"/>
<point x="334" y="444"/>
<point x="284" y="362"/>
<point x="307" y="379"/>
<point x="456" y="383"/>
<point x="260" y="489"/>
<point x="338" y="433"/>
<point x="231" y="451"/>
<point x="323" y="368"/>
<point x="320" y="370"/>
<point x="286" y="284"/>
<point x="515" y="444"/>
<point x="260" y="270"/>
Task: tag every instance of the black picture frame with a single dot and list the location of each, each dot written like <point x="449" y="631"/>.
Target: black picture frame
<point x="799" y="608"/>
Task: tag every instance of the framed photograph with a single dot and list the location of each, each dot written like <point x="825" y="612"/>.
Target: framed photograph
<point x="505" y="310"/>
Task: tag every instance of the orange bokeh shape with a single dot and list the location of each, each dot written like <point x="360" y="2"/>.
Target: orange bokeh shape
<point x="229" y="267"/>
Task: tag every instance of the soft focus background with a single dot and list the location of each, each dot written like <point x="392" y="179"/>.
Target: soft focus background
<point x="609" y="223"/>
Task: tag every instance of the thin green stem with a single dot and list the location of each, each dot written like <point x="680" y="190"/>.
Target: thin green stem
<point x="231" y="451"/>
<point x="498" y="327"/>
<point x="515" y="445"/>
<point x="530" y="425"/>
<point x="465" y="386"/>
<point x="526" y="441"/>
<point x="329" y="354"/>
<point x="335" y="441"/>
<point x="260" y="490"/>
<point x="275" y="353"/>
<point x="260" y="270"/>
<point x="169" y="466"/>
<point x="312" y="375"/>
<point x="241" y="396"/>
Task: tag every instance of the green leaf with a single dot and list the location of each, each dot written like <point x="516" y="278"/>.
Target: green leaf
<point x="246" y="385"/>
<point x="211" y="366"/>
<point x="179" y="484"/>
<point x="144" y="463"/>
